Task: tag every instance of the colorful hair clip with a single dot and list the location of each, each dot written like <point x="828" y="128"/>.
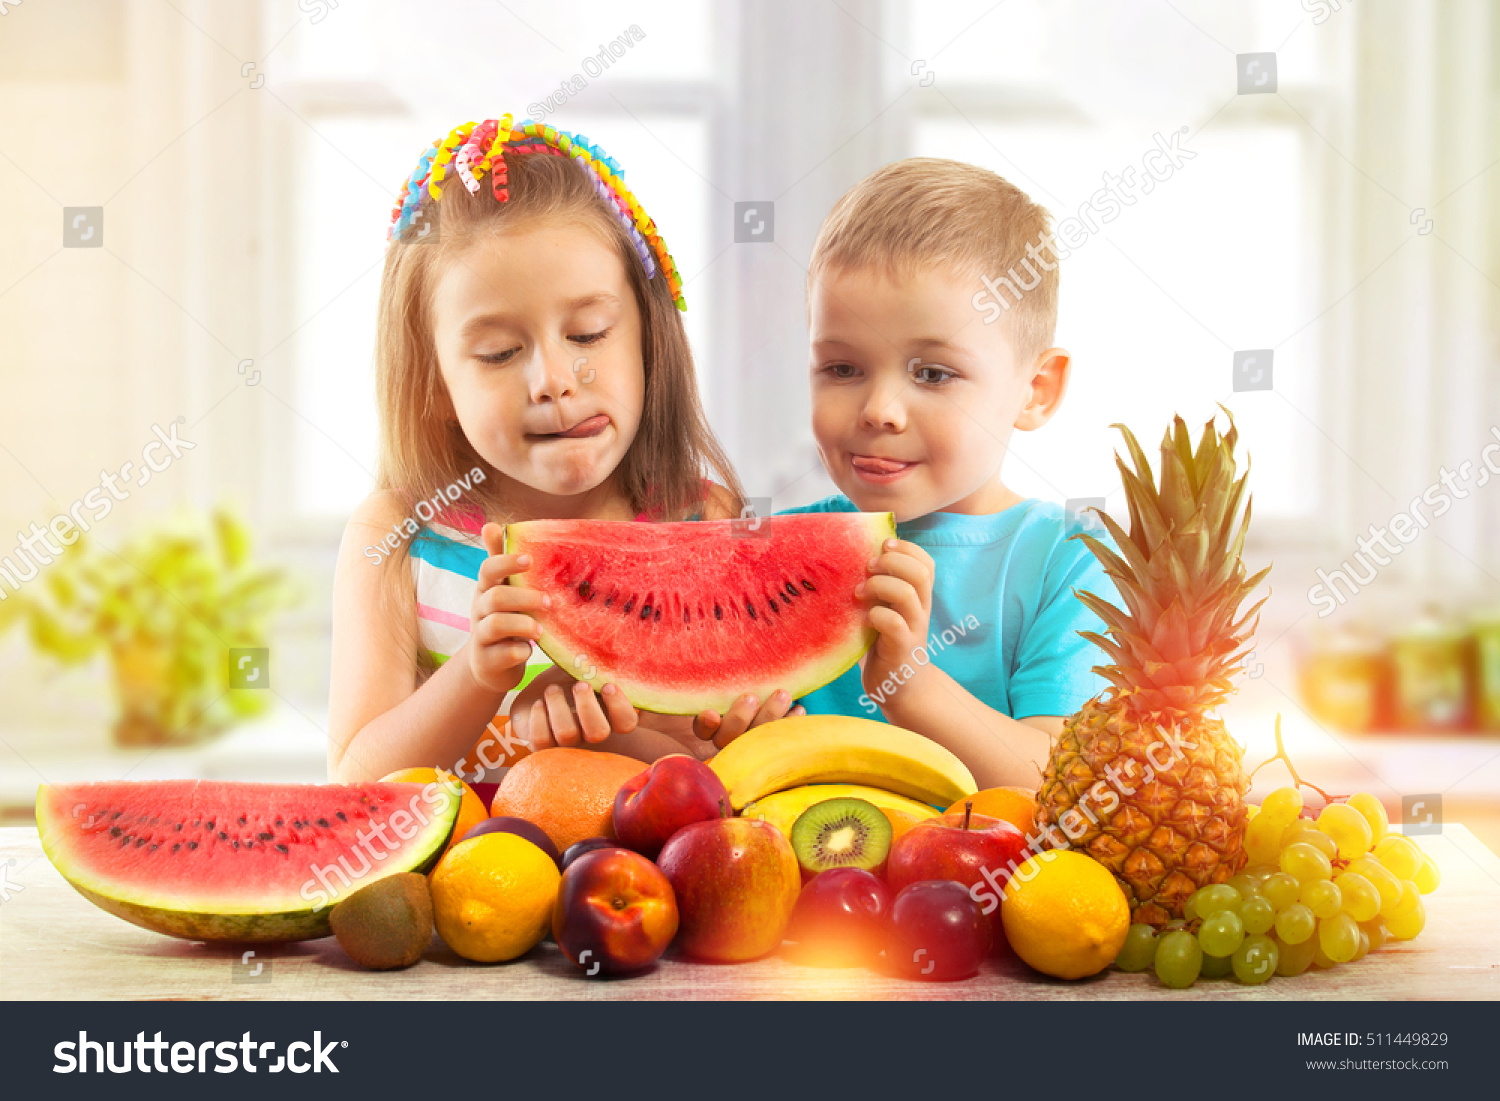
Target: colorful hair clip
<point x="476" y="148"/>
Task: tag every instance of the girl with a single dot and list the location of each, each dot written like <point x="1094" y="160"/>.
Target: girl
<point x="530" y="364"/>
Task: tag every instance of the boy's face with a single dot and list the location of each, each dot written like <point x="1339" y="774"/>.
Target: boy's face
<point x="914" y="397"/>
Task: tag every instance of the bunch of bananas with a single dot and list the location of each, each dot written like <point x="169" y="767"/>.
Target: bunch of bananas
<point x="778" y="770"/>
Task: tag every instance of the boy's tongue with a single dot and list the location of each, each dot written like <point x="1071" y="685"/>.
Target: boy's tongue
<point x="872" y="465"/>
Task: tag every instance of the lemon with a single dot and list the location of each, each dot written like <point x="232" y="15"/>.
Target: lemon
<point x="1064" y="914"/>
<point x="492" y="896"/>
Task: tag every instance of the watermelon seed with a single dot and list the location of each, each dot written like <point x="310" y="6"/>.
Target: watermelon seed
<point x="774" y="608"/>
<point x="629" y="604"/>
<point x="242" y="819"/>
<point x="278" y="821"/>
<point x="265" y="836"/>
<point x="178" y="827"/>
<point x="153" y="847"/>
<point x="342" y="817"/>
<point x="177" y="846"/>
<point x="718" y="611"/>
<point x="192" y="845"/>
<point x="645" y="611"/>
<point x="223" y="836"/>
<point x="658" y="615"/>
<point x="809" y="586"/>
<point x="585" y="590"/>
<point x="608" y="600"/>
<point x="115" y="815"/>
<point x="791" y="590"/>
<point x="750" y="608"/>
<point x="281" y="848"/>
<point x="324" y="823"/>
<point x="236" y="844"/>
<point x="139" y="841"/>
<point x="124" y="842"/>
<point x="115" y="832"/>
<point x="687" y="616"/>
<point x="207" y="825"/>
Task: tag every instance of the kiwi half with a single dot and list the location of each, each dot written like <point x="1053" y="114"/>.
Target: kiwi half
<point x="841" y="833"/>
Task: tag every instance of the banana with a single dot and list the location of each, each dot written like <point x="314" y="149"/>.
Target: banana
<point x="782" y="808"/>
<point x="839" y="749"/>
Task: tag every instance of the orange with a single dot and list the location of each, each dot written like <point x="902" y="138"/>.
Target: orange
<point x="901" y="820"/>
<point x="471" y="810"/>
<point x="492" y="897"/>
<point x="569" y="793"/>
<point x="1012" y="804"/>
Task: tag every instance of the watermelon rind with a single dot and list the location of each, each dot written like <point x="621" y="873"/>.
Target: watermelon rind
<point x="274" y="922"/>
<point x="813" y="674"/>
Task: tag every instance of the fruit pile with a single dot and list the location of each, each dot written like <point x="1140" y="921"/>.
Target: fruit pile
<point x="1318" y="892"/>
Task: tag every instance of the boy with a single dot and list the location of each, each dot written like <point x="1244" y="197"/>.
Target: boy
<point x="918" y="381"/>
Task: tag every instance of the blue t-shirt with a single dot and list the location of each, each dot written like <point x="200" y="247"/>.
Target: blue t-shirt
<point x="1004" y="620"/>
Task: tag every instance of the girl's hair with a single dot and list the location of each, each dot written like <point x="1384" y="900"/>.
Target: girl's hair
<point x="423" y="449"/>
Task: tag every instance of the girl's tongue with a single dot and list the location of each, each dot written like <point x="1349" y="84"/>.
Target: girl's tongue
<point x="591" y="427"/>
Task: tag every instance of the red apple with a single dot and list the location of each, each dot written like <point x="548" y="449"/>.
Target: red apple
<point x="971" y="849"/>
<point x="736" y="882"/>
<point x="674" y="792"/>
<point x="937" y="932"/>
<point x="839" y="919"/>
<point x="615" y="912"/>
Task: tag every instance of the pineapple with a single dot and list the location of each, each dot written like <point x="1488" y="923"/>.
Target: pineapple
<point x="1143" y="778"/>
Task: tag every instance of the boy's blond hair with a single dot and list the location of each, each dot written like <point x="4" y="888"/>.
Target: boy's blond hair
<point x="929" y="212"/>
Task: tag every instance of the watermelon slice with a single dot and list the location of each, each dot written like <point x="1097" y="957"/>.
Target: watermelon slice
<point x="688" y="616"/>
<point x="220" y="861"/>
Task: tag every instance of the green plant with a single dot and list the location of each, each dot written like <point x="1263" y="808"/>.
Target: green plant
<point x="167" y="607"/>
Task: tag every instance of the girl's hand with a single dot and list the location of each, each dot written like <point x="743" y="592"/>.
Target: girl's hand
<point x="501" y="623"/>
<point x="556" y="710"/>
<point x="746" y="712"/>
<point x="900" y="590"/>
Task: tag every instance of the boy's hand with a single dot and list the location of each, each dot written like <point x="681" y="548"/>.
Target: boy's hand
<point x="501" y="623"/>
<point x="556" y="710"/>
<point x="745" y="713"/>
<point x="900" y="591"/>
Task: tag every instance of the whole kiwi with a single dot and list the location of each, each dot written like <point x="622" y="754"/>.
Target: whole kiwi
<point x="387" y="924"/>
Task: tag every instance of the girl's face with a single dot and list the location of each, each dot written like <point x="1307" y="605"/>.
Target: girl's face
<point x="538" y="339"/>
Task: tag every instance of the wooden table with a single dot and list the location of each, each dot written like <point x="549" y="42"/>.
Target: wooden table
<point x="56" y="945"/>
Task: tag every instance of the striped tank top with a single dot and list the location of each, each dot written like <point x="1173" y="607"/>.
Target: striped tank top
<point x="445" y="558"/>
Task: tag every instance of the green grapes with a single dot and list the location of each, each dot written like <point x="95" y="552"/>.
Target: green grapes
<point x="1322" y="897"/>
<point x="1339" y="938"/>
<point x="1178" y="959"/>
<point x="1409" y="924"/>
<point x="1348" y="828"/>
<point x="1305" y="833"/>
<point x="1214" y="898"/>
<point x="1258" y="915"/>
<point x="1295" y="958"/>
<point x="1376" y="931"/>
<point x="1246" y="884"/>
<point x="1190" y="907"/>
<point x="1361" y="900"/>
<point x="1282" y="805"/>
<point x="1374" y="811"/>
<point x="1281" y="890"/>
<point x="1401" y="855"/>
<point x="1364" y="947"/>
<point x="1263" y="839"/>
<point x="1138" y="950"/>
<point x="1296" y="923"/>
<point x="1255" y="960"/>
<point x="1216" y="967"/>
<point x="1306" y="862"/>
<point x="1427" y="878"/>
<point x="1320" y="958"/>
<point x="1221" y="933"/>
<point x="1409" y="898"/>
<point x="1373" y="870"/>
